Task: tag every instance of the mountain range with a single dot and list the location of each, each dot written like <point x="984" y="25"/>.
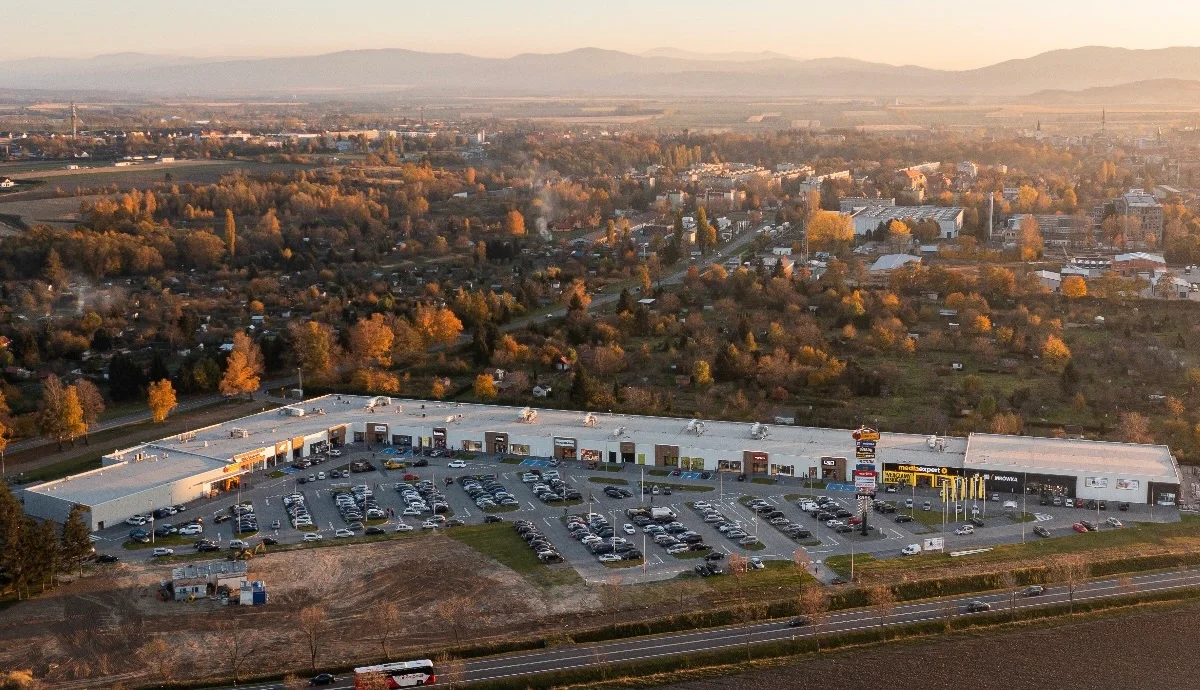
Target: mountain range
<point x="597" y="72"/>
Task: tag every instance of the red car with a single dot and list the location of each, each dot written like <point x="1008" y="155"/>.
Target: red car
<point x="1079" y="527"/>
<point x="410" y="477"/>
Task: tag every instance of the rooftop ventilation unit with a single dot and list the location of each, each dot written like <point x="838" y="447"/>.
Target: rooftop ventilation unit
<point x="590" y="420"/>
<point x="696" y="427"/>
<point x="759" y="431"/>
<point x="528" y="416"/>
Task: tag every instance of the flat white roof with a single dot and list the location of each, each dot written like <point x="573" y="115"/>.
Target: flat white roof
<point x="161" y="466"/>
<point x="1071" y="456"/>
<point x="720" y="440"/>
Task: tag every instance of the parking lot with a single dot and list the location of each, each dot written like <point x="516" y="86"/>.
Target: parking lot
<point x="444" y="492"/>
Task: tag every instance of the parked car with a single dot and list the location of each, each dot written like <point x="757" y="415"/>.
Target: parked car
<point x="343" y="533"/>
<point x="107" y="558"/>
<point x="965" y="529"/>
<point x="1114" y="522"/>
<point x="904" y="518"/>
<point x="911" y="550"/>
<point x="1079" y="527"/>
<point x="457" y="464"/>
<point x="1041" y="531"/>
<point x="312" y="536"/>
<point x="162" y="551"/>
<point x="1123" y="506"/>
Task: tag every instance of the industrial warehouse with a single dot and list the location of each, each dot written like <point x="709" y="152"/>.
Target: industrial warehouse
<point x="208" y="461"/>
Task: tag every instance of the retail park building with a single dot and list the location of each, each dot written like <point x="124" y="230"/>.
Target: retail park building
<point x="213" y="459"/>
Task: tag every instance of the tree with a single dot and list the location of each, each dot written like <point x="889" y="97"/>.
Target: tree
<point x="54" y="272"/>
<point x="314" y="348"/>
<point x="701" y="374"/>
<point x="802" y="561"/>
<point x="437" y="390"/>
<point x="160" y="657"/>
<point x="1055" y="353"/>
<point x="235" y="644"/>
<point x="437" y="325"/>
<point x="92" y="402"/>
<point x="829" y="230"/>
<point x="1008" y="582"/>
<point x="161" y="400"/>
<point x="1134" y="427"/>
<point x="268" y="224"/>
<point x="514" y="223"/>
<point x="611" y="596"/>
<point x="882" y="600"/>
<point x="75" y="544"/>
<point x="242" y="368"/>
<point x="386" y="618"/>
<point x="371" y="342"/>
<point x="375" y="381"/>
<point x="738" y="565"/>
<point x="312" y="623"/>
<point x="1072" y="570"/>
<point x="485" y="387"/>
<point x="899" y="234"/>
<point x="457" y="610"/>
<point x="706" y="234"/>
<point x="1074" y="287"/>
<point x="61" y="415"/>
<point x="125" y="378"/>
<point x="1030" y="239"/>
<point x="814" y="604"/>
<point x="230" y="232"/>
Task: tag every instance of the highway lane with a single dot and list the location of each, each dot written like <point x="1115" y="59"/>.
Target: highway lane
<point x="624" y="651"/>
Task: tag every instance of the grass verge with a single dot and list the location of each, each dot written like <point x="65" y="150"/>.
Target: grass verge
<point x="500" y="542"/>
<point x="608" y="480"/>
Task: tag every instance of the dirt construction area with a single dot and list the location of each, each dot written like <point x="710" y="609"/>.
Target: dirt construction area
<point x="103" y="627"/>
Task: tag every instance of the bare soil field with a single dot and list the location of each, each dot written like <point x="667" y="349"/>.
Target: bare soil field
<point x="98" y="626"/>
<point x="60" y="212"/>
<point x="1135" y="650"/>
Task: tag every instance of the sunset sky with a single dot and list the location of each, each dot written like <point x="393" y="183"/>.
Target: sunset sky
<point x="935" y="33"/>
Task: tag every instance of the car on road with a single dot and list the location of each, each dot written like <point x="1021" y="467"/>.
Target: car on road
<point x="270" y="541"/>
<point x="978" y="522"/>
<point x="965" y="529"/>
<point x="904" y="518"/>
<point x="492" y="518"/>
<point x="404" y="527"/>
<point x="610" y="558"/>
<point x="335" y="453"/>
<point x="457" y="464"/>
<point x="322" y="679"/>
<point x="162" y="551"/>
<point x="320" y="476"/>
<point x="1033" y="591"/>
<point x="976" y="606"/>
<point x="343" y="533"/>
<point x="1079" y="527"/>
<point x="191" y="530"/>
<point x="911" y="550"/>
<point x="798" y="622"/>
<point x="429" y="524"/>
<point x="908" y="503"/>
<point x="889" y="488"/>
<point x="312" y="536"/>
<point x="1114" y="522"/>
<point x="927" y="505"/>
<point x="139" y="535"/>
<point x="756" y="563"/>
<point x="843" y="529"/>
<point x="628" y="529"/>
<point x="1041" y="531"/>
<point x="374" y="530"/>
<point x="1091" y="526"/>
<point x="107" y="558"/>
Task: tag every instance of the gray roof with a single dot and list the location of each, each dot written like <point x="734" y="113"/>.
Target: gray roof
<point x="1071" y="456"/>
<point x="129" y="477"/>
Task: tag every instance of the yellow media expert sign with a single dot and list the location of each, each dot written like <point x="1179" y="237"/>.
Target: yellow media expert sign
<point x="243" y="462"/>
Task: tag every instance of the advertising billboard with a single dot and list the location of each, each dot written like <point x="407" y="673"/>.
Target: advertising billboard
<point x="934" y="544"/>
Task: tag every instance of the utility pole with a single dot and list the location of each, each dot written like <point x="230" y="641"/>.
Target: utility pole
<point x="300" y="386"/>
<point x="74" y="123"/>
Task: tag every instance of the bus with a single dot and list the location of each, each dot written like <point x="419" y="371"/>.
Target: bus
<point x="398" y="674"/>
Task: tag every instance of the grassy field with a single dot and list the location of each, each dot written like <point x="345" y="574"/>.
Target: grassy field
<point x="499" y="541"/>
<point x="1043" y="551"/>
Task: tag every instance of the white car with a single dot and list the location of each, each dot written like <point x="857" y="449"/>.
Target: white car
<point x="965" y="529"/>
<point x="410" y="511"/>
<point x="429" y="524"/>
<point x="335" y="453"/>
<point x="320" y="475"/>
<point x="757" y="563"/>
<point x="312" y="536"/>
<point x="191" y="530"/>
<point x="1114" y="522"/>
<point x="162" y="551"/>
<point x="136" y="521"/>
<point x="628" y="529"/>
<point x="404" y="527"/>
<point x="343" y="533"/>
<point x="911" y="550"/>
<point x="457" y="464"/>
<point x="610" y="558"/>
<point x="701" y="505"/>
<point x="677" y="548"/>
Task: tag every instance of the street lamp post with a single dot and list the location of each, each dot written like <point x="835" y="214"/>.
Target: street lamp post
<point x="1024" y="495"/>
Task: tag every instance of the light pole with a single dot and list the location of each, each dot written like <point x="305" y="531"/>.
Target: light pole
<point x="300" y="377"/>
<point x="1024" y="494"/>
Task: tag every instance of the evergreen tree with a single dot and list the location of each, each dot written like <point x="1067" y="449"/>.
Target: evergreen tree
<point x="582" y="387"/>
<point x="125" y="378"/>
<point x="625" y="303"/>
<point x="75" y="543"/>
<point x="158" y="368"/>
<point x="12" y="516"/>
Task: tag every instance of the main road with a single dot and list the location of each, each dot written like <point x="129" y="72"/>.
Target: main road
<point x="676" y="644"/>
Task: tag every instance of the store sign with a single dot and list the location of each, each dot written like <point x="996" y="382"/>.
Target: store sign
<point x="1005" y="478"/>
<point x="564" y="443"/>
<point x="243" y="462"/>
<point x="590" y="455"/>
<point x="864" y="481"/>
<point x="923" y="469"/>
<point x="379" y="428"/>
<point x="864" y="450"/>
<point x="828" y="462"/>
<point x="1096" y="482"/>
<point x="865" y="434"/>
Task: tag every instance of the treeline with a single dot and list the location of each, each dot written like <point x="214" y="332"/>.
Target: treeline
<point x="32" y="553"/>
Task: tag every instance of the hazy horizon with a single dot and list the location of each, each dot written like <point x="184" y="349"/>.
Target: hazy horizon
<point x="943" y="36"/>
